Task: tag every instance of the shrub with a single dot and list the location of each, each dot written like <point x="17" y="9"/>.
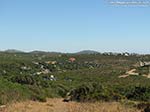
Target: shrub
<point x="139" y="93"/>
<point x="12" y="92"/>
<point x="93" y="92"/>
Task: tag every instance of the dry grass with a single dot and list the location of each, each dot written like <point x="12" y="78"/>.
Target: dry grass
<point x="56" y="105"/>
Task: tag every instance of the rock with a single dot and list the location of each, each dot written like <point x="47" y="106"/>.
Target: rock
<point x="147" y="109"/>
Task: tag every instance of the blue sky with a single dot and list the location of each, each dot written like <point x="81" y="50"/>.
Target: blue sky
<point x="73" y="25"/>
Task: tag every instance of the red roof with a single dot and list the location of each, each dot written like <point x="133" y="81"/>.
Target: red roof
<point x="72" y="59"/>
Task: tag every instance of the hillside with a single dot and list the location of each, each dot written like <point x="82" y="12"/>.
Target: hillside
<point x="74" y="77"/>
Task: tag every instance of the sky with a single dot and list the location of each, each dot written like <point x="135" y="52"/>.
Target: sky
<point x="73" y="25"/>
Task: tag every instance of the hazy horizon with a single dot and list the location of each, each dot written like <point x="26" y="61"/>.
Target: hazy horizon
<point x="72" y="26"/>
<point x="84" y="50"/>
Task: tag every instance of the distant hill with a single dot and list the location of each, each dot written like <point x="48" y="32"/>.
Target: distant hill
<point x="47" y="52"/>
<point x="13" y="51"/>
<point x="44" y="52"/>
<point x="88" y="52"/>
<point x="37" y="52"/>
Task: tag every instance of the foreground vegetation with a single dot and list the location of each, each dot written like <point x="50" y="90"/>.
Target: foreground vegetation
<point x="77" y="77"/>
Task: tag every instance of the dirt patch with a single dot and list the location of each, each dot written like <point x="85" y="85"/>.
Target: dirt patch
<point x="129" y="73"/>
<point x="147" y="76"/>
<point x="124" y="76"/>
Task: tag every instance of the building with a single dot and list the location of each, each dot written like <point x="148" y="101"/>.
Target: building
<point x="72" y="59"/>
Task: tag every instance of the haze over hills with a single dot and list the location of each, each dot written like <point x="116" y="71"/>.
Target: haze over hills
<point x="13" y="51"/>
<point x="88" y="52"/>
<point x="41" y="52"/>
<point x="55" y="52"/>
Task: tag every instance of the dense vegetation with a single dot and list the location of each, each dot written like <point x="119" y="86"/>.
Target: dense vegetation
<point x="83" y="77"/>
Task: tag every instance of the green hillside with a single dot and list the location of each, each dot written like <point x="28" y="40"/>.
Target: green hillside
<point x="79" y="77"/>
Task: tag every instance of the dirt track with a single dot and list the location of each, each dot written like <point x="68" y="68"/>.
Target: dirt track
<point x="129" y="73"/>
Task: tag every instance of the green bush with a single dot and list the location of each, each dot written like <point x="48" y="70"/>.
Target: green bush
<point x="37" y="93"/>
<point x="93" y="92"/>
<point x="12" y="92"/>
<point x="138" y="93"/>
